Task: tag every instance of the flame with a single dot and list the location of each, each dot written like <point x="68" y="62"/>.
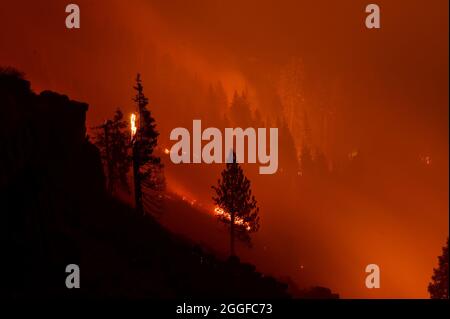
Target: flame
<point x="237" y="220"/>
<point x="133" y="125"/>
<point x="221" y="213"/>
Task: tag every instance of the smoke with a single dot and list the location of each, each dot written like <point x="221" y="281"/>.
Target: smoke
<point x="311" y="67"/>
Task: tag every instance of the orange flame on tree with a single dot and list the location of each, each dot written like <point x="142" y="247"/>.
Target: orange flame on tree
<point x="227" y="216"/>
<point x="133" y="125"/>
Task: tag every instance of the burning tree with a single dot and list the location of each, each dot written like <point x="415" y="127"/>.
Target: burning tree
<point x="438" y="288"/>
<point x="147" y="167"/>
<point x="113" y="141"/>
<point x="236" y="204"/>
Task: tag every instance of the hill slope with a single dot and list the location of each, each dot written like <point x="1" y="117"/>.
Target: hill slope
<point x="56" y="212"/>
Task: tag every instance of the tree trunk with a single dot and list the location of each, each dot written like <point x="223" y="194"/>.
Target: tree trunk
<point x="108" y="158"/>
<point x="232" y="253"/>
<point x="137" y="179"/>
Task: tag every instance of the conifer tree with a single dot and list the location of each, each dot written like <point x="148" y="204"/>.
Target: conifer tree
<point x="113" y="141"/>
<point x="234" y="197"/>
<point x="147" y="167"/>
<point x="438" y="288"/>
<point x="240" y="111"/>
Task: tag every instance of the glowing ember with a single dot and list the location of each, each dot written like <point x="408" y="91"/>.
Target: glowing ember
<point x="133" y="125"/>
<point x="426" y="159"/>
<point x="237" y="220"/>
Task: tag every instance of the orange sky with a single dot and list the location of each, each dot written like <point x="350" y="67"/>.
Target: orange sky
<point x="388" y="89"/>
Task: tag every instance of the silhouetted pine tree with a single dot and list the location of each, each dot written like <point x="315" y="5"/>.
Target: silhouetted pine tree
<point x="288" y="153"/>
<point x="240" y="111"/>
<point x="438" y="288"/>
<point x="147" y="166"/>
<point x="216" y="104"/>
<point x="235" y="197"/>
<point x="113" y="141"/>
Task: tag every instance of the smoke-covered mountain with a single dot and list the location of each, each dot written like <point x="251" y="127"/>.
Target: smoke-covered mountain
<point x="56" y="212"/>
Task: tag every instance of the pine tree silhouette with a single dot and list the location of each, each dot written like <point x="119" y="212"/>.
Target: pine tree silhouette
<point x="438" y="287"/>
<point x="113" y="141"/>
<point x="235" y="197"/>
<point x="240" y="111"/>
<point x="147" y="167"/>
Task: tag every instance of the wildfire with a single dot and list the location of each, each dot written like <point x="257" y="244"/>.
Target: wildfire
<point x="221" y="213"/>
<point x="133" y="125"/>
<point x="237" y="220"/>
